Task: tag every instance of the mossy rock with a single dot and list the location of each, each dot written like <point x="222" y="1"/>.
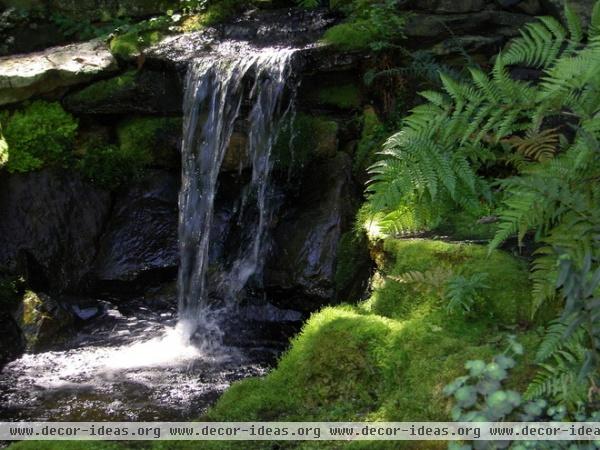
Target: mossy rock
<point x="155" y="139"/>
<point x="345" y="96"/>
<point x="131" y="44"/>
<point x="41" y="133"/>
<point x="388" y="358"/>
<point x="102" y="91"/>
<point x="133" y="92"/>
<point x="306" y="138"/>
<point x="373" y="136"/>
<point x="42" y="321"/>
<point x="352" y="267"/>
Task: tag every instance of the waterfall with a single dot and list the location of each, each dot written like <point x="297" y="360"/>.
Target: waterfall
<point x="217" y="89"/>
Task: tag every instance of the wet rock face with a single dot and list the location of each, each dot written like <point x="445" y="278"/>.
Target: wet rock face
<point x="49" y="224"/>
<point x="24" y="76"/>
<point x="288" y="27"/>
<point x="139" y="245"/>
<point x="11" y="341"/>
<point x="301" y="270"/>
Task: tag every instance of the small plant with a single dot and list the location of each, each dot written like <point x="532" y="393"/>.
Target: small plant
<point x="369" y="26"/>
<point x="42" y="133"/>
<point x="464" y="291"/>
<point x="308" y="4"/>
<point x="460" y="291"/>
<point x="479" y="396"/>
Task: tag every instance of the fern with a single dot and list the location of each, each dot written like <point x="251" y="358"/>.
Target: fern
<point x="430" y="281"/>
<point x="559" y="363"/>
<point x="536" y="146"/>
<point x="462" y="292"/>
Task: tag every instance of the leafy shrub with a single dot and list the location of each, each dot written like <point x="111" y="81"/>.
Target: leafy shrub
<point x="41" y="133"/>
<point x="548" y="134"/>
<point x="373" y="25"/>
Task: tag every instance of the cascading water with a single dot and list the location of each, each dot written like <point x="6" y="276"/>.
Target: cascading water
<point x="215" y="90"/>
<point x="140" y="365"/>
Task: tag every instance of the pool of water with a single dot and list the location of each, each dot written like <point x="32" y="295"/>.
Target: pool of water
<point x="133" y="363"/>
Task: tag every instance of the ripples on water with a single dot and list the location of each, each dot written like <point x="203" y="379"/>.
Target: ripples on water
<point x="140" y="366"/>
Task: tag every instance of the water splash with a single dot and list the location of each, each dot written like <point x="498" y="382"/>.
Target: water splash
<point x="216" y="87"/>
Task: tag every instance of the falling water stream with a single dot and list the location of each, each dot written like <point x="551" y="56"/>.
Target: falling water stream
<point x="216" y="89"/>
<point x="148" y="361"/>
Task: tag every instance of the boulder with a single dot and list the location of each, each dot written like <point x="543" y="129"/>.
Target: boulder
<point x="582" y="7"/>
<point x="12" y="343"/>
<point x="49" y="225"/>
<point x="300" y="271"/>
<point x="144" y="92"/>
<point x="24" y="76"/>
<point x="43" y="321"/>
<point x="448" y="6"/>
<point x="140" y="241"/>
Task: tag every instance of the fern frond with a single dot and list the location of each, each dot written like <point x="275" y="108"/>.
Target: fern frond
<point x="537" y="146"/>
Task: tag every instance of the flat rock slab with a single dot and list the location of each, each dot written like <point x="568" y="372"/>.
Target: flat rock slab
<point x="23" y="76"/>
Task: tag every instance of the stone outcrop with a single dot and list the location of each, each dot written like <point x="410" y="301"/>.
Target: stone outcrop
<point x="24" y="76"/>
<point x="301" y="270"/>
<point x="144" y="92"/>
<point x="50" y="223"/>
<point x="139" y="245"/>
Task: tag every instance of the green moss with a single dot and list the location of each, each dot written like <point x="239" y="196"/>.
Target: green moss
<point x="103" y="90"/>
<point x="389" y="358"/>
<point x="356" y="35"/>
<point x="42" y="133"/>
<point x="461" y="225"/>
<point x="346" y="96"/>
<point x="145" y="138"/>
<point x="371" y="24"/>
<point x="142" y="143"/>
<point x="372" y="137"/>
<point x="508" y="301"/>
<point x="133" y="42"/>
<point x="222" y="10"/>
<point x="352" y="255"/>
<point x="307" y="138"/>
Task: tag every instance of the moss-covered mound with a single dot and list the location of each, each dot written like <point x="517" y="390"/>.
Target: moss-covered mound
<point x="389" y="358"/>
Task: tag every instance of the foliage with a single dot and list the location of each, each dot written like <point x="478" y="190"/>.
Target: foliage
<point x="140" y="145"/>
<point x="41" y="133"/>
<point x="462" y="292"/>
<point x="481" y="396"/>
<point x="547" y="134"/>
<point x="131" y="40"/>
<point x="308" y="4"/>
<point x="370" y="25"/>
<point x="478" y="396"/>
<point x="84" y="29"/>
<point x="144" y="138"/>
